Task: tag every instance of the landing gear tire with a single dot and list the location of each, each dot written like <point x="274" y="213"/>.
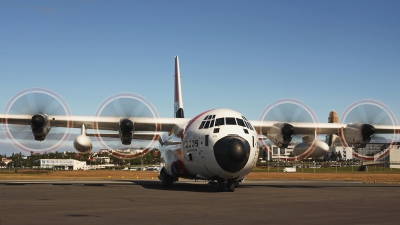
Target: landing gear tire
<point x="220" y="185"/>
<point x="231" y="186"/>
<point x="166" y="179"/>
<point x="236" y="184"/>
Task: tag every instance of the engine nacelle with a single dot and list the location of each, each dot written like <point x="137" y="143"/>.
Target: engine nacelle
<point x="83" y="144"/>
<point x="126" y="130"/>
<point x="40" y="126"/>
<point x="281" y="134"/>
<point x="358" y="134"/>
<point x="320" y="149"/>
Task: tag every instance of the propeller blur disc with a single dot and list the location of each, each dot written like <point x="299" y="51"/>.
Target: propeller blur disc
<point x="289" y="110"/>
<point x="375" y="113"/>
<point x="127" y="105"/>
<point x="36" y="101"/>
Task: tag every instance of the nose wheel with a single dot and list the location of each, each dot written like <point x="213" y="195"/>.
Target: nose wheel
<point x="220" y="185"/>
<point x="230" y="185"/>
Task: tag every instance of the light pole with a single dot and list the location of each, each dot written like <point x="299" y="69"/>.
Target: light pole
<point x="336" y="166"/>
<point x="314" y="165"/>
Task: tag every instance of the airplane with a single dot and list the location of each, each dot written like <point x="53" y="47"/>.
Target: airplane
<point x="217" y="145"/>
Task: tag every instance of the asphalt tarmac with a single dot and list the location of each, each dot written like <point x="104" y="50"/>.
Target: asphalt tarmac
<point x="146" y="202"/>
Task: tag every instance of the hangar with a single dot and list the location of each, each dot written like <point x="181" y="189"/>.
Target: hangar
<point x="63" y="164"/>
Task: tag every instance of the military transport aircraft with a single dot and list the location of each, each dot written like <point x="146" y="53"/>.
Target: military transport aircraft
<point x="219" y="145"/>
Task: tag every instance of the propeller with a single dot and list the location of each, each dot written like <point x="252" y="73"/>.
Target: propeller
<point x="372" y="112"/>
<point x="127" y="105"/>
<point x="289" y="111"/>
<point x="33" y="102"/>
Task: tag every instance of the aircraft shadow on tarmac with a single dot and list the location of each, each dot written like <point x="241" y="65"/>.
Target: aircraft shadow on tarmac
<point x="202" y="186"/>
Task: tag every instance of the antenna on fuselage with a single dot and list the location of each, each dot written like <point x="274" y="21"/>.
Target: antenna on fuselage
<point x="178" y="102"/>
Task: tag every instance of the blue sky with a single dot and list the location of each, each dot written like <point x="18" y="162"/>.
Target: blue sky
<point x="242" y="55"/>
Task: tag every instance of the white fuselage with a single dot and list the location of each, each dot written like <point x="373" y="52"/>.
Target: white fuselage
<point x="216" y="144"/>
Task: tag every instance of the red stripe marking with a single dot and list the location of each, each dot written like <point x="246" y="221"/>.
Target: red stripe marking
<point x="195" y="118"/>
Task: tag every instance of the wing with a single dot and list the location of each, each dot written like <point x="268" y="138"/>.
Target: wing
<point x="137" y="136"/>
<point x="357" y="134"/>
<point x="100" y="123"/>
<point x="263" y="127"/>
<point x="126" y="129"/>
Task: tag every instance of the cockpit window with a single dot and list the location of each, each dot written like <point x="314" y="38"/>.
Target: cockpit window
<point x="219" y="122"/>
<point x="230" y="121"/>
<point x="209" y="121"/>
<point x="240" y="122"/>
<point x="202" y="124"/>
<point x="249" y="125"/>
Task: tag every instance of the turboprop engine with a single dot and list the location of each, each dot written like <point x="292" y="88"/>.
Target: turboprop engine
<point x="40" y="126"/>
<point x="281" y="134"/>
<point x="358" y="134"/>
<point x="126" y="130"/>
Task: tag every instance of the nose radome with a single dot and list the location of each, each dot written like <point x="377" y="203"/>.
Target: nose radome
<point x="232" y="153"/>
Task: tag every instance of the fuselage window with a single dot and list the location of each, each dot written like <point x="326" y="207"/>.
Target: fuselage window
<point x="219" y="122"/>
<point x="207" y="124"/>
<point x="212" y="123"/>
<point x="216" y="130"/>
<point x="230" y="121"/>
<point x="240" y="122"/>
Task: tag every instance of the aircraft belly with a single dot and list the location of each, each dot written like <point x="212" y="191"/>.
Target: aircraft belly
<point x="200" y="163"/>
<point x="210" y="167"/>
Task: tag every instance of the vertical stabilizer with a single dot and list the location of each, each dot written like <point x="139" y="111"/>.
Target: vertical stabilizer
<point x="178" y="102"/>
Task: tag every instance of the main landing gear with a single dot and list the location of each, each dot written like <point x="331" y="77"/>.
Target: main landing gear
<point x="230" y="185"/>
<point x="166" y="179"/>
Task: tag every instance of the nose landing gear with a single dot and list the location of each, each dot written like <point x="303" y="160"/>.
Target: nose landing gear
<point x="231" y="184"/>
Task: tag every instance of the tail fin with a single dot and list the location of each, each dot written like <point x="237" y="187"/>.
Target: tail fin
<point x="178" y="102"/>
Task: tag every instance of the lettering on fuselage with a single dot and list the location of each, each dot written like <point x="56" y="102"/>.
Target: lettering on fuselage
<point x="191" y="143"/>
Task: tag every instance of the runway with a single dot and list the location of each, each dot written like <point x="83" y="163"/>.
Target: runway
<point x="146" y="202"/>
